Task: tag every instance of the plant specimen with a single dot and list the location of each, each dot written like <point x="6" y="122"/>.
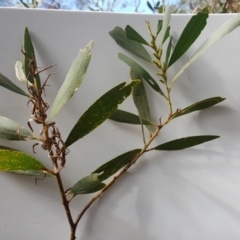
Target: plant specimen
<point x="43" y="115"/>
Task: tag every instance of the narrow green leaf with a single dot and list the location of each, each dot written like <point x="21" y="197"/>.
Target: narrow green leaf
<point x="24" y="4"/>
<point x="134" y="35"/>
<point x="166" y="20"/>
<point x="89" y="184"/>
<point x="186" y="142"/>
<point x="223" y="30"/>
<point x="12" y="130"/>
<point x="14" y="161"/>
<point x="190" y="33"/>
<point x="157" y="4"/>
<point x="6" y="83"/>
<point x="30" y="55"/>
<point x="198" y="106"/>
<point x="159" y="26"/>
<point x="168" y="52"/>
<point x="150" y="6"/>
<point x="109" y="168"/>
<point x="102" y="109"/>
<point x="73" y="79"/>
<point x="140" y="99"/>
<point x="127" y="117"/>
<point x="140" y="71"/>
<point x="167" y="34"/>
<point x="119" y="35"/>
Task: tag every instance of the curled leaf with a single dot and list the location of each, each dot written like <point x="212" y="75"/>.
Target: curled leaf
<point x="20" y="74"/>
<point x="89" y="184"/>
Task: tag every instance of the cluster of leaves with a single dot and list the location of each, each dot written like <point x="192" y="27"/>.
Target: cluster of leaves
<point x="16" y="161"/>
<point x="156" y="7"/>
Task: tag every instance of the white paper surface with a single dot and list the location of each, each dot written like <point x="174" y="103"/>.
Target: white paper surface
<point x="182" y="195"/>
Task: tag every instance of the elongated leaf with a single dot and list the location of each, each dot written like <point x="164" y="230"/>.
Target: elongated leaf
<point x="24" y="4"/>
<point x="159" y="26"/>
<point x="132" y="34"/>
<point x="14" y="161"/>
<point x="89" y="184"/>
<point x="168" y="52"/>
<point x="167" y="34"/>
<point x="102" y="109"/>
<point x="127" y="117"/>
<point x="140" y="71"/>
<point x="119" y="35"/>
<point x="6" y="83"/>
<point x="12" y="130"/>
<point x="150" y="6"/>
<point x="198" y="106"/>
<point x="226" y="28"/>
<point x="73" y="79"/>
<point x="166" y="20"/>
<point x="28" y="58"/>
<point x="140" y="99"/>
<point x="109" y="168"/>
<point x="186" y="142"/>
<point x="190" y="33"/>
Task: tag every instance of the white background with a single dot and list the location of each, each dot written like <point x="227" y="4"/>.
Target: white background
<point x="184" y="195"/>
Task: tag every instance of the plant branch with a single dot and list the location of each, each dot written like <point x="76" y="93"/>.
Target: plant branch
<point x="108" y="185"/>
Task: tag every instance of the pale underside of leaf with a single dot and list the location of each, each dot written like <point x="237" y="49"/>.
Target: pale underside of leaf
<point x="73" y="80"/>
<point x="119" y="35"/>
<point x="140" y="100"/>
<point x="165" y="23"/>
<point x="11" y="130"/>
<point x="89" y="184"/>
